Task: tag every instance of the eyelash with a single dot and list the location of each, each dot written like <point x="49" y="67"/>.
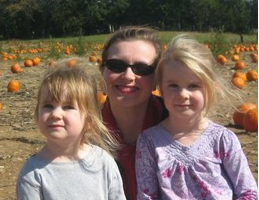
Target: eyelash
<point x="190" y="86"/>
<point x="65" y="107"/>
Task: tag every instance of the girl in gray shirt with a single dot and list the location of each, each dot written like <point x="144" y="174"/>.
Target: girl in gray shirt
<point x="76" y="162"/>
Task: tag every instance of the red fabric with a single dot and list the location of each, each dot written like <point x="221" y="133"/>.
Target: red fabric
<point x="126" y="156"/>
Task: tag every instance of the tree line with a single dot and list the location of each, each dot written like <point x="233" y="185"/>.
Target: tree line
<point x="27" y="19"/>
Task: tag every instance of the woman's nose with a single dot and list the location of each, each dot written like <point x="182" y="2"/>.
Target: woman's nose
<point x="128" y="73"/>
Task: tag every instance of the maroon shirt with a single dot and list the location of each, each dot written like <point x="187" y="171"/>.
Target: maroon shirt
<point x="126" y="156"/>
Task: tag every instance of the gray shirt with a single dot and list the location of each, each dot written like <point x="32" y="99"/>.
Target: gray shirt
<point x="95" y="177"/>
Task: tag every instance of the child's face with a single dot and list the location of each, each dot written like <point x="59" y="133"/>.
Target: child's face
<point x="60" y="121"/>
<point x="183" y="91"/>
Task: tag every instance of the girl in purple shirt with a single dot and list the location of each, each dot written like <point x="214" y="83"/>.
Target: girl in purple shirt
<point x="187" y="156"/>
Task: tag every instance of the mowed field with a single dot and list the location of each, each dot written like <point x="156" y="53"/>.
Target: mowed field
<point x="19" y="136"/>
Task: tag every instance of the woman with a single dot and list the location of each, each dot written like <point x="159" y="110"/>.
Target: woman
<point x="129" y="60"/>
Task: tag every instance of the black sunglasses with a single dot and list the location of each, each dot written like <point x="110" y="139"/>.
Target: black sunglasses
<point x="119" y="66"/>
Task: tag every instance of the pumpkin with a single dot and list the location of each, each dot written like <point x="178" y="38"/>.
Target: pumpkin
<point x="252" y="75"/>
<point x="235" y="57"/>
<point x="1" y="106"/>
<point x="101" y="97"/>
<point x="16" y="68"/>
<point x="240" y="74"/>
<point x="240" y="65"/>
<point x="238" y="82"/>
<point x="250" y="120"/>
<point x="13" y="86"/>
<point x="71" y="63"/>
<point x="28" y="63"/>
<point x="254" y="57"/>
<point x="52" y="63"/>
<point x="99" y="60"/>
<point x="239" y="114"/>
<point x="222" y="59"/>
<point x="67" y="52"/>
<point x="92" y="58"/>
<point x="36" y="61"/>
<point x="156" y="92"/>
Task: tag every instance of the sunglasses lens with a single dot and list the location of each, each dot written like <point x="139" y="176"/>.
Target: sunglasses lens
<point x="116" y="66"/>
<point x="142" y="69"/>
<point x="119" y="66"/>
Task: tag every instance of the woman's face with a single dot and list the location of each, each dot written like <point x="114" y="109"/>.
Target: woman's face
<point x="126" y="88"/>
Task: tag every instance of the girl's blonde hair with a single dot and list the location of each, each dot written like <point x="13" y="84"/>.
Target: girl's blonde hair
<point x="82" y="88"/>
<point x="199" y="59"/>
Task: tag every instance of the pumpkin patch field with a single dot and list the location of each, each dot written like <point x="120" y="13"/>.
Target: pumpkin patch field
<point x="21" y="70"/>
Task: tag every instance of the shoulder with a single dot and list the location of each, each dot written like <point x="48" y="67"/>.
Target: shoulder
<point x="33" y="163"/>
<point x="100" y="157"/>
<point x="153" y="137"/>
<point x="32" y="168"/>
<point x="222" y="134"/>
<point x="152" y="131"/>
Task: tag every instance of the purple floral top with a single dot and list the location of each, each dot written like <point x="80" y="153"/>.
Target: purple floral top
<point x="213" y="167"/>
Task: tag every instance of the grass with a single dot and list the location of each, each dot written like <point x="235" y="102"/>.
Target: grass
<point x="220" y="42"/>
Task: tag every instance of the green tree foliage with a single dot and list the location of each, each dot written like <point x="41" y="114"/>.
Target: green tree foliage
<point x="59" y="18"/>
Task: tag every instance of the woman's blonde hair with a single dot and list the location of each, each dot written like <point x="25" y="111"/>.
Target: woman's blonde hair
<point x="129" y="33"/>
<point x="199" y="59"/>
<point x="80" y="87"/>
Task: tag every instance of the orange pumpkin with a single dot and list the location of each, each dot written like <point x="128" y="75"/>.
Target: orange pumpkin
<point x="156" y="92"/>
<point x="36" y="61"/>
<point x="222" y="59"/>
<point x="239" y="114"/>
<point x="13" y="86"/>
<point x="99" y="60"/>
<point x="250" y="120"/>
<point x="52" y="63"/>
<point x="101" y="97"/>
<point x="240" y="65"/>
<point x="240" y="74"/>
<point x="254" y="57"/>
<point x="1" y="106"/>
<point x="16" y="68"/>
<point x="252" y="75"/>
<point x="67" y="52"/>
<point x="238" y="82"/>
<point x="28" y="63"/>
<point x="92" y="58"/>
<point x="71" y="63"/>
<point x="235" y="57"/>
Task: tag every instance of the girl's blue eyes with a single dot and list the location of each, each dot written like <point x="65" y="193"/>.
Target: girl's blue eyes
<point x="191" y="86"/>
<point x="194" y="86"/>
<point x="68" y="107"/>
<point x="47" y="106"/>
<point x="65" y="107"/>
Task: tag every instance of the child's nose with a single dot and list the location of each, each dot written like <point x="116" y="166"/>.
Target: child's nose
<point x="183" y="93"/>
<point x="56" y="113"/>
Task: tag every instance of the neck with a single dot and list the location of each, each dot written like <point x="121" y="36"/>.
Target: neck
<point x="195" y="124"/>
<point x="58" y="153"/>
<point x="186" y="132"/>
<point x="130" y="121"/>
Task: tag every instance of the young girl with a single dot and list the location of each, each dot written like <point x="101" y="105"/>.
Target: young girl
<point x="70" y="165"/>
<point x="187" y="156"/>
